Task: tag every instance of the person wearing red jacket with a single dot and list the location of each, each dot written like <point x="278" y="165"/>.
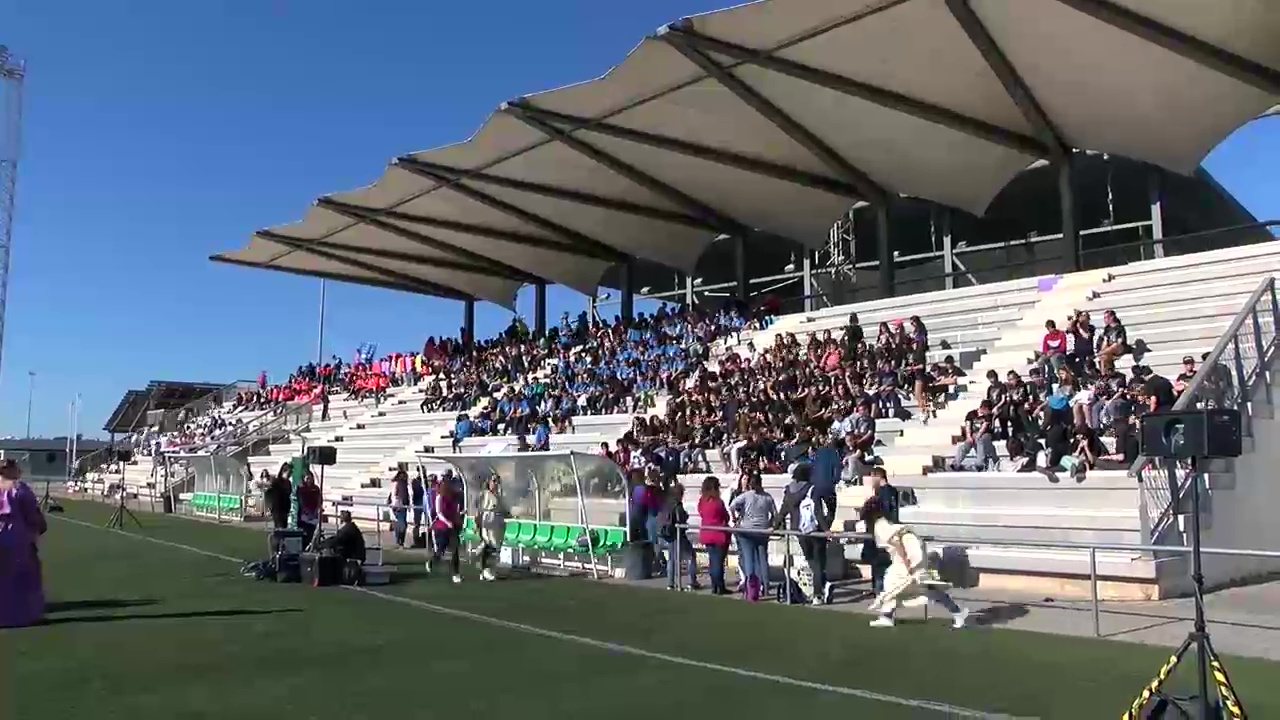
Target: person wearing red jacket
<point x="1053" y="348"/>
<point x="712" y="512"/>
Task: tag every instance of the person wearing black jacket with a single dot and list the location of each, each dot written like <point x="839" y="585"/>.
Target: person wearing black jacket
<point x="672" y="517"/>
<point x="801" y="499"/>
<point x="279" y="497"/>
<point x="877" y="557"/>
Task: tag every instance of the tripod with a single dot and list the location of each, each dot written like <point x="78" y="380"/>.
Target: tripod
<point x="1207" y="661"/>
<point x="116" y="521"/>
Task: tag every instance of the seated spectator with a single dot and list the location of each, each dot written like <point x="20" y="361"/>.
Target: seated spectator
<point x="1022" y="458"/>
<point x="1113" y="343"/>
<point x="1053" y="347"/>
<point x="977" y="437"/>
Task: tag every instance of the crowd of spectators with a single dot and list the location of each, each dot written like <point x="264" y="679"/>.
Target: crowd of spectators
<point x="1073" y="398"/>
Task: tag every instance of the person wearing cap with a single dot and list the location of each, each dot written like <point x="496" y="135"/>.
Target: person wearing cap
<point x="21" y="525"/>
<point x="1183" y="381"/>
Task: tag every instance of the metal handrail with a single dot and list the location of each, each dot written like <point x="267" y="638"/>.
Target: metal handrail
<point x="1244" y="379"/>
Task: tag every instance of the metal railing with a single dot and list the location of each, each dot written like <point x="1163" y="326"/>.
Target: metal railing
<point x="1091" y="548"/>
<point x="1232" y="376"/>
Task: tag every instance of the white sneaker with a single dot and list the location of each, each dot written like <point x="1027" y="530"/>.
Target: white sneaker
<point x="827" y="593"/>
<point x="958" y="620"/>
<point x="817" y="600"/>
<point x="427" y="565"/>
<point x="487" y="575"/>
<point x="457" y="579"/>
<point x="882" y="621"/>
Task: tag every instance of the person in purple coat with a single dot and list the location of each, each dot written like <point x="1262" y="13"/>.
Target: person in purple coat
<point x="21" y="525"/>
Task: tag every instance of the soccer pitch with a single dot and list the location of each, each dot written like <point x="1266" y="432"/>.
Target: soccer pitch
<point x="157" y="623"/>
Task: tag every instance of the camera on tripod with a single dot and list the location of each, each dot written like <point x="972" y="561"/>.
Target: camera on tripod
<point x="1191" y="434"/>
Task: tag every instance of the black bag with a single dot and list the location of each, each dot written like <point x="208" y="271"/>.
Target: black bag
<point x="797" y="595"/>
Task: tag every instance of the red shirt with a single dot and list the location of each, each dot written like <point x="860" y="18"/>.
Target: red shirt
<point x="712" y="511"/>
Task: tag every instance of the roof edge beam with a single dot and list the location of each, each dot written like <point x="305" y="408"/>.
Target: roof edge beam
<point x="385" y="285"/>
<point x="425" y="287"/>
<point x="1179" y="43"/>
<point x="572" y="242"/>
<point x="625" y="207"/>
<point x="870" y="190"/>
<point x="1014" y="86"/>
<point x="398" y="256"/>
<point x="475" y="262"/>
<point x="723" y="223"/>
<point x="752" y="165"/>
<point x="889" y="99"/>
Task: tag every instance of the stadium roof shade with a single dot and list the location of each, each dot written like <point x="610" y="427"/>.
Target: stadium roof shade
<point x="775" y="117"/>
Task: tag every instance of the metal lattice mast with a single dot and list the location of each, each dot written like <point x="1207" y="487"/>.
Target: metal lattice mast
<point x="12" y="72"/>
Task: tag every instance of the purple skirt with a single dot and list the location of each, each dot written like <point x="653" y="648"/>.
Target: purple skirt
<point x="21" y="587"/>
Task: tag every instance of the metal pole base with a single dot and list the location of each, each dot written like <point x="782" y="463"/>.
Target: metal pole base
<point x="116" y="521"/>
<point x="1154" y="703"/>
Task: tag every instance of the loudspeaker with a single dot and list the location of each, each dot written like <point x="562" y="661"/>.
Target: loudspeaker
<point x="124" y="456"/>
<point x="322" y="455"/>
<point x="1182" y="435"/>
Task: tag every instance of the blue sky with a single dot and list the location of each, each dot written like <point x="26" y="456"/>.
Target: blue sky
<point x="158" y="133"/>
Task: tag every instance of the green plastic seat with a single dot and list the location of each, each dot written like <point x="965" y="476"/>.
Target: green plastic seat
<point x="614" y="538"/>
<point x="561" y="538"/>
<point x="542" y="536"/>
<point x="512" y="530"/>
<point x="469" y="532"/>
<point x="524" y="538"/>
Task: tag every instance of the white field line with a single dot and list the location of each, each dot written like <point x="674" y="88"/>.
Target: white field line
<point x="937" y="707"/>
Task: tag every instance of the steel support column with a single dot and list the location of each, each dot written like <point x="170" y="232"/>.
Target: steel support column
<point x="884" y="251"/>
<point x="1155" y="193"/>
<point x="468" y="325"/>
<point x="688" y="291"/>
<point x="540" y="310"/>
<point x="742" y="292"/>
<point x="627" y="308"/>
<point x="808" y="303"/>
<point x="1070" y="242"/>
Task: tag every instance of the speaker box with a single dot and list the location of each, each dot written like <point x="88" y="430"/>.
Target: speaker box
<point x="124" y="456"/>
<point x="1182" y="435"/>
<point x="322" y="455"/>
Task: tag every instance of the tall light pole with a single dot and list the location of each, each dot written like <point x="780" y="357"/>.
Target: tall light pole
<point x="31" y="391"/>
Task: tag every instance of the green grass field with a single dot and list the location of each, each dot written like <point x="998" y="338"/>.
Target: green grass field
<point x="144" y="630"/>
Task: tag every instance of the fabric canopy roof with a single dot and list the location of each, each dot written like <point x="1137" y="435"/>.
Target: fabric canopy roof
<point x="774" y="118"/>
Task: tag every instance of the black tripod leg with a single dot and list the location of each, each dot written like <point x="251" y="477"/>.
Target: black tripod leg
<point x="1153" y="688"/>
<point x="1231" y="704"/>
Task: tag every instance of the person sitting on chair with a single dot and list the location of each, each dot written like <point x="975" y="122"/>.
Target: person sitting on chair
<point x="348" y="542"/>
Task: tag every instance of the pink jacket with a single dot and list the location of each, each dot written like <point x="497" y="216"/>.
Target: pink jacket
<point x="712" y="511"/>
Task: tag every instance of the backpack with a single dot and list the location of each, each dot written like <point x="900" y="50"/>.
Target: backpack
<point x="808" y="513"/>
<point x="667" y="524"/>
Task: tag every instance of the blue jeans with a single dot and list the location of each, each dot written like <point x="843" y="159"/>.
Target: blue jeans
<point x="686" y="556"/>
<point x="401" y="523"/>
<point x="716" y="556"/>
<point x="754" y="551"/>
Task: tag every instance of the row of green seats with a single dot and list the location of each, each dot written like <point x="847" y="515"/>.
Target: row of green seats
<point x="212" y="502"/>
<point x="552" y="536"/>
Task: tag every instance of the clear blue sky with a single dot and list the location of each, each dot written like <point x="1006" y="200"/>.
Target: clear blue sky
<point x="158" y="133"/>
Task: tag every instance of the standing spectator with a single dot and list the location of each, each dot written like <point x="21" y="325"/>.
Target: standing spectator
<point x="21" y="525"/>
<point x="712" y="512"/>
<point x="279" y="497"/>
<point x="399" y="501"/>
<point x="806" y="512"/>
<point x="446" y="529"/>
<point x="492" y="522"/>
<point x="675" y="537"/>
<point x="309" y="504"/>
<point x="756" y="511"/>
<point x="417" y="496"/>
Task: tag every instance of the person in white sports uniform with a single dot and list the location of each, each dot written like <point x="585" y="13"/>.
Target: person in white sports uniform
<point x="909" y="581"/>
<point x="492" y="522"/>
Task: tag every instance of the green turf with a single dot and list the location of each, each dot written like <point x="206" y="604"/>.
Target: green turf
<point x="140" y="630"/>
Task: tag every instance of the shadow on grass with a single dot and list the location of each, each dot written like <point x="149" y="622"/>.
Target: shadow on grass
<point x="58" y="606"/>
<point x="193" y="615"/>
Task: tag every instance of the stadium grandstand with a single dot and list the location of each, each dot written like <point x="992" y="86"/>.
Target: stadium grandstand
<point x="890" y="230"/>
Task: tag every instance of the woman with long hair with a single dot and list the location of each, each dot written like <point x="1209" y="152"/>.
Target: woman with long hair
<point x="712" y="512"/>
<point x="446" y="529"/>
<point x="756" y="512"/>
<point x="399" y="501"/>
<point x="676" y="538"/>
<point x="492" y="521"/>
<point x="21" y="525"/>
<point x="909" y="581"/>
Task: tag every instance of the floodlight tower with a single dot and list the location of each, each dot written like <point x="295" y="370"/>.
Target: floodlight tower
<point x="12" y="72"/>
